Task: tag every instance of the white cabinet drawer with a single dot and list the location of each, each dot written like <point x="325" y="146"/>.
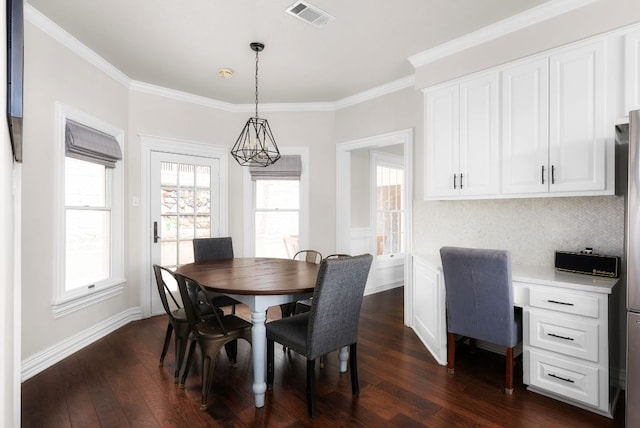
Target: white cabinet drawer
<point x="569" y="336"/>
<point x="570" y="303"/>
<point x="576" y="381"/>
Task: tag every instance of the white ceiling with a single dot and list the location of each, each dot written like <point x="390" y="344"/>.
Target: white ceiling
<point x="181" y="44"/>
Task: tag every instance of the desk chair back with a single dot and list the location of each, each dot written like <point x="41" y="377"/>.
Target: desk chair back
<point x="479" y="298"/>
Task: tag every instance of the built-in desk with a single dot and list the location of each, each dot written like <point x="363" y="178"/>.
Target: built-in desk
<point x="566" y="329"/>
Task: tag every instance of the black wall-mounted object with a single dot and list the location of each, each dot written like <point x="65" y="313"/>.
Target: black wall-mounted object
<point x="15" y="73"/>
<point x="589" y="264"/>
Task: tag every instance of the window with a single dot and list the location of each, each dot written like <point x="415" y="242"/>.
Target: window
<point x="389" y="204"/>
<point x="90" y="226"/>
<point x="87" y="223"/>
<point x="278" y="208"/>
<point x="277" y="218"/>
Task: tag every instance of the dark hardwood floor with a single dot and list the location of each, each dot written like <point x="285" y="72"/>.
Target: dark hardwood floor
<point x="116" y="382"/>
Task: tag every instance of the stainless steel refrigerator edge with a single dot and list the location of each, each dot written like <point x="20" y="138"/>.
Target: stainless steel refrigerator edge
<point x="633" y="273"/>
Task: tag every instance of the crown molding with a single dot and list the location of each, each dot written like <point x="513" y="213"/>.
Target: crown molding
<point x="378" y="91"/>
<point x="52" y="29"/>
<point x="49" y="27"/>
<point x="512" y="24"/>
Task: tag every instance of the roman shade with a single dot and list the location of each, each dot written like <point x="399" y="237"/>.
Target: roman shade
<point x="286" y="168"/>
<point x="89" y="144"/>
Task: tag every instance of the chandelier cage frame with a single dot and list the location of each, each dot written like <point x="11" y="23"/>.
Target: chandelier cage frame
<point x="256" y="146"/>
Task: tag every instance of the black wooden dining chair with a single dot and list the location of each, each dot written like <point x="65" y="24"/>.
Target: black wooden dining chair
<point x="215" y="249"/>
<point x="332" y="322"/>
<point x="211" y="334"/>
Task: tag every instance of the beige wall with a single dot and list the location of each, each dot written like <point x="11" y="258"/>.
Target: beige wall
<point x="54" y="74"/>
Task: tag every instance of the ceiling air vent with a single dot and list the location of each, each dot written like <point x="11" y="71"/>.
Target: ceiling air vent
<point x="309" y="13"/>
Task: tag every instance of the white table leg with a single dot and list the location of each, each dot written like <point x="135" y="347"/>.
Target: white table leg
<point x="259" y="349"/>
<point x="344" y="358"/>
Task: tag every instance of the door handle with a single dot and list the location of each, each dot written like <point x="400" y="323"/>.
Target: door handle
<point x="542" y="174"/>
<point x="156" y="238"/>
<point x="454" y="181"/>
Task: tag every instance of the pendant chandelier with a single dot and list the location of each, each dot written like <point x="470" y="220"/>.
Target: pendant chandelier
<point x="256" y="146"/>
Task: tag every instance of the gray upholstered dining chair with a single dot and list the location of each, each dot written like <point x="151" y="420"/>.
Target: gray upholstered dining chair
<point x="332" y="322"/>
<point x="210" y="333"/>
<point x="305" y="304"/>
<point x="479" y="298"/>
<point x="215" y="249"/>
<point x="309" y="256"/>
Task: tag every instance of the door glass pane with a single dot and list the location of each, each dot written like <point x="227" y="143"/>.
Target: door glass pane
<point x="203" y="201"/>
<point x="186" y="228"/>
<point x="186" y="201"/>
<point x="203" y="226"/>
<point x="87" y="247"/>
<point x="168" y="253"/>
<point x="168" y="174"/>
<point x="168" y="200"/>
<point x="186" y="177"/>
<point x="168" y="227"/>
<point x="186" y="252"/>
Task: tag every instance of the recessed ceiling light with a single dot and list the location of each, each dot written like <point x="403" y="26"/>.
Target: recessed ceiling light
<point x="225" y="73"/>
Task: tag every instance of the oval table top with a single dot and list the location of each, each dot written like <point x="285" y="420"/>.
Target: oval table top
<point x="254" y="275"/>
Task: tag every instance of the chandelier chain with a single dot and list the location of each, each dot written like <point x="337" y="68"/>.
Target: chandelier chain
<point x="256" y="84"/>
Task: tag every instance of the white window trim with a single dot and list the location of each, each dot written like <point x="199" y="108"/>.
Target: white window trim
<point x="248" y="203"/>
<point x="389" y="159"/>
<point x="66" y="302"/>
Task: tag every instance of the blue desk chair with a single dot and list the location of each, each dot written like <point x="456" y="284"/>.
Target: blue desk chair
<point x="479" y="298"/>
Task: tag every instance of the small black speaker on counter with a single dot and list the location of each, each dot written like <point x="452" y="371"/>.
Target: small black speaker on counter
<point x="589" y="264"/>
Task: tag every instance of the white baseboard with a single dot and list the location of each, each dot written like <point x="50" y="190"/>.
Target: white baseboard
<point x="42" y="360"/>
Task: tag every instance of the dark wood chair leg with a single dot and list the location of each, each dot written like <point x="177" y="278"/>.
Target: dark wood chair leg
<point x="165" y="347"/>
<point x="353" y="366"/>
<point x="508" y="389"/>
<point x="311" y="388"/>
<point x="270" y="367"/>
<point x="451" y="352"/>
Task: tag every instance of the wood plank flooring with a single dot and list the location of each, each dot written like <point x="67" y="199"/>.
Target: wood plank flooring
<point x="116" y="382"/>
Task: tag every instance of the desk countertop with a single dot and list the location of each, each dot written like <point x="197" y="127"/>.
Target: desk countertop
<point x="547" y="275"/>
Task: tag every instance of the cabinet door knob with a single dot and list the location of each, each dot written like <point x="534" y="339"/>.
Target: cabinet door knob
<point x="460" y="181"/>
<point x="454" y="181"/>
<point x="542" y="175"/>
<point x="553" y="174"/>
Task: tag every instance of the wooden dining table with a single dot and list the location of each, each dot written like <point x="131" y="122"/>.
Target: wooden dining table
<point x="259" y="283"/>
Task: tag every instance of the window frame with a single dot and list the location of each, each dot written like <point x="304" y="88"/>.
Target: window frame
<point x="394" y="161"/>
<point x="69" y="301"/>
<point x="249" y="203"/>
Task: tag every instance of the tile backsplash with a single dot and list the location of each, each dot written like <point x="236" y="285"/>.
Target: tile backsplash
<point x="532" y="229"/>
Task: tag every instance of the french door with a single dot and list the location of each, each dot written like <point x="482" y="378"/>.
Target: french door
<point x="184" y="204"/>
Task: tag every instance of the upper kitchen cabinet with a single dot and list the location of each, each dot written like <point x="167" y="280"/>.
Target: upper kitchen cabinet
<point x="577" y="119"/>
<point x="632" y="71"/>
<point x="462" y="138"/>
<point x="553" y="123"/>
<point x="525" y="127"/>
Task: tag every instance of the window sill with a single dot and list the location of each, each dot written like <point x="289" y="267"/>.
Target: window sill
<point x="74" y="303"/>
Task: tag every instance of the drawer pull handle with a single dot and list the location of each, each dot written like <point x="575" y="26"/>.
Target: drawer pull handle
<point x="560" y="337"/>
<point x="561" y="378"/>
<point x="560" y="303"/>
